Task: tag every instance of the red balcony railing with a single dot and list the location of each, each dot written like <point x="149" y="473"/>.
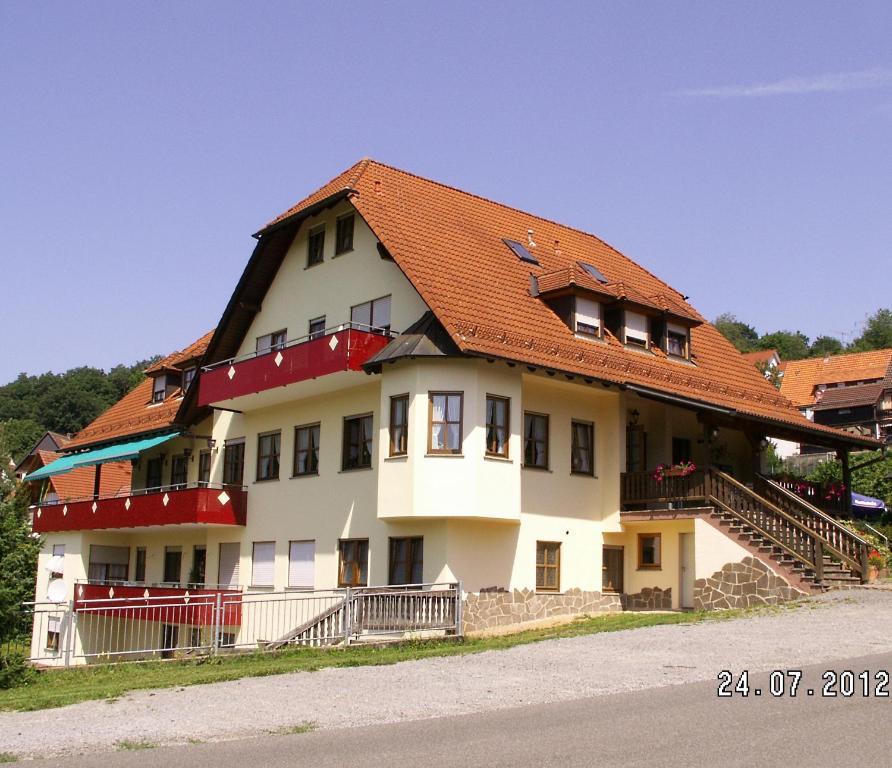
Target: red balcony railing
<point x="346" y="348"/>
<point x="177" y="505"/>
<point x="169" y="605"/>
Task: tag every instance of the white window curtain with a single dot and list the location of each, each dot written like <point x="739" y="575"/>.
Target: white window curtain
<point x="228" y="574"/>
<point x="262" y="563"/>
<point x="302" y="564"/>
<point x="636" y="326"/>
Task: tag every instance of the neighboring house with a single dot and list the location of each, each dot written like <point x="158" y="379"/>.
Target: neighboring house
<point x="413" y="384"/>
<point x="49" y="441"/>
<point x="851" y="392"/>
<point x="767" y="362"/>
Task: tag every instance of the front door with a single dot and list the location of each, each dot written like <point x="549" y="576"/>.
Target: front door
<point x="612" y="569"/>
<point x="686" y="570"/>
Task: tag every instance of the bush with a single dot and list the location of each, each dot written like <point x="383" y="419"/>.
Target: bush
<point x="15" y="670"/>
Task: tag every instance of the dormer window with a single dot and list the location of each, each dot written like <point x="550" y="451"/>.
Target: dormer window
<point x="159" y="390"/>
<point x="188" y="377"/>
<point x="635" y="330"/>
<point x="587" y="318"/>
<point x="677" y="341"/>
<point x="272" y="341"/>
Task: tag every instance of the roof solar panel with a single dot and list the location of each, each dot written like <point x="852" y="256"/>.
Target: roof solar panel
<point x="593" y="272"/>
<point x="521" y="252"/>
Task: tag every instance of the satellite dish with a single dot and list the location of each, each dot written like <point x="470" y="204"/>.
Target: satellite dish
<point x="56" y="564"/>
<point x="57" y="591"/>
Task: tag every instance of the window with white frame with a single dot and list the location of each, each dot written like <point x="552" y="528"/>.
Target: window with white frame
<point x="636" y="330"/>
<point x="301" y="564"/>
<point x="588" y="317"/>
<point x="374" y="314"/>
<point x="159" y="389"/>
<point x="270" y="342"/>
<point x="317" y="327"/>
<point x="263" y="561"/>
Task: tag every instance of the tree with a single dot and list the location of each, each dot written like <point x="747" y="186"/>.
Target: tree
<point x="18" y="561"/>
<point x="17" y="436"/>
<point x="790" y="345"/>
<point x="741" y="335"/>
<point x="877" y="332"/>
<point x="824" y="346"/>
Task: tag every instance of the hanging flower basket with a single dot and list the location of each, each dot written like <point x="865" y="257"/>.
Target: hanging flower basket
<point x="682" y="469"/>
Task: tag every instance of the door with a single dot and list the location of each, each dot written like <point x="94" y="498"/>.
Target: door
<point x="686" y="570"/>
<point x="612" y="569"/>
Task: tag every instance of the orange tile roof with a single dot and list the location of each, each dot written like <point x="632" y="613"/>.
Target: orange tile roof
<point x="135" y="413"/>
<point x="176" y="359"/>
<point x="449" y="245"/>
<point x="802" y="376"/>
<point x="760" y="356"/>
<point x="78" y="483"/>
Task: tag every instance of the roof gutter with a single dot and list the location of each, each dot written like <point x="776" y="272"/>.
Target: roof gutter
<point x="699" y="405"/>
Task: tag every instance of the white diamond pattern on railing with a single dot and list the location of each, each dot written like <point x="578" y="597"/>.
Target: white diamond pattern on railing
<point x="127" y="505"/>
<point x="64" y="510"/>
<point x="223" y="498"/>
<point x="186" y="597"/>
<point x="165" y="500"/>
<point x="146" y="592"/>
<point x="39" y="512"/>
<point x="80" y="591"/>
<point x="231" y="372"/>
<point x="94" y="507"/>
<point x="333" y="344"/>
<point x="111" y="591"/>
<point x="278" y="359"/>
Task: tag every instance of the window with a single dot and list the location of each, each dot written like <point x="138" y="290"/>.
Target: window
<point x="228" y="570"/>
<point x="548" y="566"/>
<point x="188" y="378"/>
<point x="357" y="450"/>
<point x="263" y="563"/>
<point x="173" y="565"/>
<point x="344" y="235"/>
<point x="204" y="468"/>
<point x="234" y="462"/>
<point x="535" y="440"/>
<point x="588" y="317"/>
<point x="268" y="448"/>
<point x="399" y="425"/>
<point x="301" y="564"/>
<point x="353" y="566"/>
<point x="374" y="314"/>
<point x="317" y="327"/>
<point x="677" y="340"/>
<point x="445" y="418"/>
<point x="53" y="633"/>
<point x="649" y="550"/>
<point x="159" y="389"/>
<point x="306" y="450"/>
<point x="406" y="560"/>
<point x="636" y="333"/>
<point x="681" y="450"/>
<point x="497" y="417"/>
<point x="316" y="245"/>
<point x="139" y="571"/>
<point x="272" y="341"/>
<point x="199" y="565"/>
<point x="58" y="551"/>
<point x="153" y="472"/>
<point x="108" y="563"/>
<point x="179" y="468"/>
<point x="636" y="448"/>
<point x="582" y="458"/>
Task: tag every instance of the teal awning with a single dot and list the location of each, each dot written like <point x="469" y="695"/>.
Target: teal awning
<point x="117" y="452"/>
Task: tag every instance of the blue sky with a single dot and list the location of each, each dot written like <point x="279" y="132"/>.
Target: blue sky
<point x="742" y="151"/>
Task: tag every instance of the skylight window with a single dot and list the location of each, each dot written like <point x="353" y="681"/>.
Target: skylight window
<point x="521" y="252"/>
<point x="593" y="271"/>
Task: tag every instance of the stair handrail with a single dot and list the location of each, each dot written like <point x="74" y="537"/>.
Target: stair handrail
<point x="818" y="543"/>
<point x="857" y="565"/>
<point x="814" y="510"/>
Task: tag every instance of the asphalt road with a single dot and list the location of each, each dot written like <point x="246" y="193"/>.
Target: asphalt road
<point x="679" y="725"/>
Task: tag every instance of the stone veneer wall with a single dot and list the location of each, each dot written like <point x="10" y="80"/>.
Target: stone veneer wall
<point x="499" y="607"/>
<point x="740" y="585"/>
<point x="649" y="599"/>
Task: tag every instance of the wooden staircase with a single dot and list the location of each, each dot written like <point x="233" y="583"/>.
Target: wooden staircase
<point x="814" y="549"/>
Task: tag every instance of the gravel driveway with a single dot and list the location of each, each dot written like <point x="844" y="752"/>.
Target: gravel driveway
<point x="835" y="626"/>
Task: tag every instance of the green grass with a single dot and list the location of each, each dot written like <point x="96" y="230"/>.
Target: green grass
<point x="134" y="745"/>
<point x="8" y="757"/>
<point x="58" y="688"/>
<point x="287" y="730"/>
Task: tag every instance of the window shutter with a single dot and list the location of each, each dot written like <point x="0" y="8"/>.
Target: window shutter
<point x="588" y="312"/>
<point x="361" y="314"/>
<point x="262" y="563"/>
<point x="229" y="564"/>
<point x="301" y="564"/>
<point x="636" y="326"/>
<point x="381" y="312"/>
<point x="100" y="553"/>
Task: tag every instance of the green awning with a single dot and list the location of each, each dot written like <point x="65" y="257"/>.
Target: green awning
<point x="117" y="452"/>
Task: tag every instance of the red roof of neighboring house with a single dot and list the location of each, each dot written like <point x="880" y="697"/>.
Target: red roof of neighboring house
<point x="135" y="413"/>
<point x="802" y="376"/>
<point x="848" y="397"/>
<point x="449" y="244"/>
<point x="761" y="356"/>
<point x="78" y="483"/>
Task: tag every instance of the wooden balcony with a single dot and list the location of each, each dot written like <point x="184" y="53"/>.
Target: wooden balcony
<point x="177" y="505"/>
<point x="339" y="351"/>
<point x="641" y="490"/>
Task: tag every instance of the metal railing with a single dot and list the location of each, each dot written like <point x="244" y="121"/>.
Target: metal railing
<point x="114" y="629"/>
<point x="303" y="340"/>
